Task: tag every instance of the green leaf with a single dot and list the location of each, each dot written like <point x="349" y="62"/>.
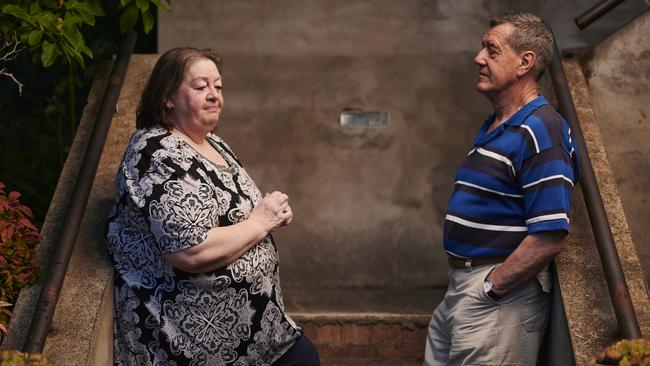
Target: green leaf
<point x="75" y="19"/>
<point x="46" y="20"/>
<point x="49" y="54"/>
<point x="147" y="21"/>
<point x="35" y="37"/>
<point x="87" y="11"/>
<point x="162" y="4"/>
<point x="34" y="8"/>
<point x="16" y="11"/>
<point x="94" y="8"/>
<point x="73" y="55"/>
<point x="87" y="18"/>
<point x="143" y="5"/>
<point x="124" y="3"/>
<point x="23" y="37"/>
<point x="129" y="18"/>
<point x="72" y="34"/>
<point x="86" y="51"/>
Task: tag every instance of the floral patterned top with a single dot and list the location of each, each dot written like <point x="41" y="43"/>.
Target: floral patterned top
<point x="167" y="198"/>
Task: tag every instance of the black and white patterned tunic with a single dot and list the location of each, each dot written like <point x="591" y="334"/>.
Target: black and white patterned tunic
<point x="168" y="197"/>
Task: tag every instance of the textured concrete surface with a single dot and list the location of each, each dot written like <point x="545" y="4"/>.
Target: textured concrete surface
<point x="618" y="79"/>
<point x="589" y="311"/>
<point x="368" y="203"/>
<point x="386" y="300"/>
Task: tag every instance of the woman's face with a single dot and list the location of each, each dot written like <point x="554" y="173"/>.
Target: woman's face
<point x="196" y="106"/>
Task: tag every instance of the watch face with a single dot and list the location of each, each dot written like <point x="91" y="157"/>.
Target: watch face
<point x="487" y="286"/>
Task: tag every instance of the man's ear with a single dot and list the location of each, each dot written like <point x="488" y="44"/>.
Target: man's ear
<point x="527" y="62"/>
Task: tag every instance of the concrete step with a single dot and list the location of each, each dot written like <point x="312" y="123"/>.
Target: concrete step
<point x="365" y="326"/>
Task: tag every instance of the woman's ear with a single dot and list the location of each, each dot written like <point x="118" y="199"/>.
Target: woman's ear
<point x="169" y="104"/>
<point x="527" y="62"/>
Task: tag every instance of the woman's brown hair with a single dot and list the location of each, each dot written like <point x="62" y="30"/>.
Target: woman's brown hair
<point x="165" y="80"/>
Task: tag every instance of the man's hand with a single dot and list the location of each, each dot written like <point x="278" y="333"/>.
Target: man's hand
<point x="531" y="256"/>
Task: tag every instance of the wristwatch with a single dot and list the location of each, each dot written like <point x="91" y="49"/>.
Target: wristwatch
<point x="488" y="287"/>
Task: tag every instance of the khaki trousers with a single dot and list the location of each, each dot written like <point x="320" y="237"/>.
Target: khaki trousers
<point x="470" y="328"/>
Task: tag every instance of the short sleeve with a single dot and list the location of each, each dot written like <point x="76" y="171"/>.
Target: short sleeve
<point x="180" y="209"/>
<point x="547" y="180"/>
<point x="181" y="213"/>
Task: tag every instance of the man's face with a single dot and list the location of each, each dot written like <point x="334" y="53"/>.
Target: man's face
<point x="497" y="61"/>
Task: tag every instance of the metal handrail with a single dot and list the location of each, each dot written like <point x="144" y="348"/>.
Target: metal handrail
<point x="590" y="15"/>
<point x="51" y="290"/>
<point x="618" y="290"/>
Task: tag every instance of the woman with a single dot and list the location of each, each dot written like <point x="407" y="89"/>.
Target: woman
<point x="196" y="278"/>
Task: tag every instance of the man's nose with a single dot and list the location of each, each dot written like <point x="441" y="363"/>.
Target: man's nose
<point x="479" y="59"/>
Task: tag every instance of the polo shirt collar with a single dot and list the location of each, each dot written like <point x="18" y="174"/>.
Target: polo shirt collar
<point x="515" y="120"/>
<point x="520" y="116"/>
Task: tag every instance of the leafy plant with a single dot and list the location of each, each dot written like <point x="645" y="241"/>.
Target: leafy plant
<point x="133" y="9"/>
<point x="628" y="352"/>
<point x="18" y="237"/>
<point x="16" y="358"/>
<point x="52" y="29"/>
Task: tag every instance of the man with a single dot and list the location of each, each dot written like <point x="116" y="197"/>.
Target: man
<point x="508" y="213"/>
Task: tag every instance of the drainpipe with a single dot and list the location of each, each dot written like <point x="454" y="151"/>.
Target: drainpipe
<point x="583" y="20"/>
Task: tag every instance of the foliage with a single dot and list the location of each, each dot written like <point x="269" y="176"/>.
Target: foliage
<point x="635" y="352"/>
<point x="15" y="358"/>
<point x="38" y="126"/>
<point x="133" y="9"/>
<point x="52" y="29"/>
<point x="18" y="237"/>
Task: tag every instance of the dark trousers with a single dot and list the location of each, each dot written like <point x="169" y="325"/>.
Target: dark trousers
<point x="302" y="353"/>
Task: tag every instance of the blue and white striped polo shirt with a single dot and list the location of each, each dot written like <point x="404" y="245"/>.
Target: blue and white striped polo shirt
<point x="516" y="180"/>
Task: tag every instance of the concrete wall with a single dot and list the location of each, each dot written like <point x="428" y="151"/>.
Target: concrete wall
<point x="369" y="203"/>
<point x="618" y="73"/>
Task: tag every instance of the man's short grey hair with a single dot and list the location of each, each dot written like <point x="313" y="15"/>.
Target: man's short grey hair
<point x="530" y="34"/>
